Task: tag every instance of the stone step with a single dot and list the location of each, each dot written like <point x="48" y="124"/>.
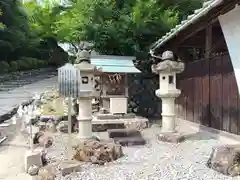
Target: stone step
<point x="105" y="127"/>
<point x="130" y="141"/>
<point x="112" y="133"/>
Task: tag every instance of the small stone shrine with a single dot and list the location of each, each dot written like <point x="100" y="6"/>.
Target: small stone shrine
<point x="167" y="70"/>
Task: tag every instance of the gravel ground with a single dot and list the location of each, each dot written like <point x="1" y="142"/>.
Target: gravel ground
<point x="154" y="161"/>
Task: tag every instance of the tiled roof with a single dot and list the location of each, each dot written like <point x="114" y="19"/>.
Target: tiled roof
<point x="198" y="13"/>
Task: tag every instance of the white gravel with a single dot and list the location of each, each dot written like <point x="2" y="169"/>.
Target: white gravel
<point x="154" y="161"/>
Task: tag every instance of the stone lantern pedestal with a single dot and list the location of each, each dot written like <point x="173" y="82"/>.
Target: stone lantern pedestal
<point x="167" y="70"/>
<point x="85" y="118"/>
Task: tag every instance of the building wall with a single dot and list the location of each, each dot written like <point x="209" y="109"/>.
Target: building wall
<point x="209" y="94"/>
<point x="230" y="24"/>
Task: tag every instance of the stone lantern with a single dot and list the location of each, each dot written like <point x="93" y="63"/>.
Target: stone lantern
<point x="83" y="63"/>
<point x="167" y="70"/>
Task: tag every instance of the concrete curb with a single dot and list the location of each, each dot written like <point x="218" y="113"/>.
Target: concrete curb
<point x="218" y="134"/>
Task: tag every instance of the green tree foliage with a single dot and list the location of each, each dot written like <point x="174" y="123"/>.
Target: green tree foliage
<point x="121" y="27"/>
<point x="26" y="31"/>
<point x="115" y="27"/>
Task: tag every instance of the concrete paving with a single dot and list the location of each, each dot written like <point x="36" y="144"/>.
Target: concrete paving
<point x="9" y="99"/>
<point x="14" y="148"/>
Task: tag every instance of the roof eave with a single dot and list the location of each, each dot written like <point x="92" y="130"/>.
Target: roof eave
<point x="184" y="24"/>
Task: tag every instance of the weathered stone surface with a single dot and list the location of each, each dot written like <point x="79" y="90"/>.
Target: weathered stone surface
<point x="225" y="159"/>
<point x="99" y="127"/>
<point x="171" y="137"/>
<point x="98" y="152"/>
<point x="128" y="116"/>
<point x="63" y="127"/>
<point x="51" y="126"/>
<point x="33" y="170"/>
<point x="168" y="66"/>
<point x="107" y="116"/>
<point x="47" y="172"/>
<point x="69" y="166"/>
<point x="42" y="125"/>
<point x="130" y="141"/>
<point x="138" y="125"/>
<point x="32" y="158"/>
<point x="37" y="136"/>
<point x="112" y="133"/>
<point x="43" y="139"/>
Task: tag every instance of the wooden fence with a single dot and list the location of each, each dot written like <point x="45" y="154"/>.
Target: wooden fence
<point x="209" y="94"/>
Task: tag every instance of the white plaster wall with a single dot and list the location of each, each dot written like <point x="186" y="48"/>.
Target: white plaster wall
<point x="230" y="23"/>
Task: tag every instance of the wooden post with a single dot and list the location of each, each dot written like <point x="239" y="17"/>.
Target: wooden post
<point x="208" y="41"/>
<point x="126" y="85"/>
<point x="69" y="116"/>
<point x="31" y="135"/>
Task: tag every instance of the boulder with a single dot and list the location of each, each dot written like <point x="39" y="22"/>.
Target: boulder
<point x="97" y="152"/>
<point x="47" y="172"/>
<point x="225" y="159"/>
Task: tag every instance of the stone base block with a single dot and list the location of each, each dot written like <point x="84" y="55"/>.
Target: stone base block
<point x="69" y="166"/>
<point x="172" y="137"/>
<point x="130" y="141"/>
<point x="32" y="158"/>
<point x="112" y="133"/>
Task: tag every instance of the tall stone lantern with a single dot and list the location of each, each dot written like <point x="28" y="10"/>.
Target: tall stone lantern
<point x="167" y="70"/>
<point x="83" y="63"/>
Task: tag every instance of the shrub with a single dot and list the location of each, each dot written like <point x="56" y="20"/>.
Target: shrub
<point x="13" y="66"/>
<point x="41" y="63"/>
<point x="4" y="66"/>
<point x="22" y="65"/>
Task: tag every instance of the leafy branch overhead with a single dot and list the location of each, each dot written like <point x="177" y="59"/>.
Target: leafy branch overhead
<point x="115" y="27"/>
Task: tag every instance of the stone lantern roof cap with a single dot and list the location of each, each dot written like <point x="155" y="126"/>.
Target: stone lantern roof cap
<point x="83" y="55"/>
<point x="167" y="55"/>
<point x="168" y="66"/>
<point x="85" y="66"/>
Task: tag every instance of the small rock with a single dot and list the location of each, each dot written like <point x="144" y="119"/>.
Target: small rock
<point x="45" y="140"/>
<point x="63" y="127"/>
<point x="37" y="136"/>
<point x="33" y="170"/>
<point x="69" y="166"/>
<point x="41" y="125"/>
<point x="47" y="172"/>
<point x="51" y="127"/>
